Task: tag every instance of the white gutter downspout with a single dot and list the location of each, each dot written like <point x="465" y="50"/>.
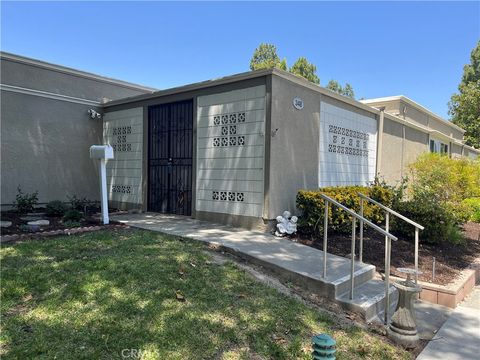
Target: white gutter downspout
<point x="380" y="141"/>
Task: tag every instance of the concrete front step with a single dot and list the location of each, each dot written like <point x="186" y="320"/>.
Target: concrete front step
<point x="369" y="299"/>
<point x="300" y="264"/>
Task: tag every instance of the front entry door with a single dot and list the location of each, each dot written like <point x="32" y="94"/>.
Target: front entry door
<point x="170" y="151"/>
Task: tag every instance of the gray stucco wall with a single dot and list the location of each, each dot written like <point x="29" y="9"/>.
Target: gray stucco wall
<point x="293" y="145"/>
<point x="401" y="146"/>
<point x="45" y="141"/>
<point x="19" y="73"/>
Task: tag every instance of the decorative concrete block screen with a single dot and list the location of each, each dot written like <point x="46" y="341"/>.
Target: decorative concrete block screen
<point x="123" y="130"/>
<point x="230" y="152"/>
<point x="348" y="147"/>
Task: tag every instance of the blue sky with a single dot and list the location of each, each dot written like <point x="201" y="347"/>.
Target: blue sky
<point x="417" y="49"/>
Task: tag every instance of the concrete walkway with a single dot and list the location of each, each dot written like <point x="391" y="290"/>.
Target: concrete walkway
<point x="260" y="246"/>
<point x="459" y="337"/>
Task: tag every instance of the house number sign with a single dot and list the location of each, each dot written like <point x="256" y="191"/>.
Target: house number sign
<point x="298" y="103"/>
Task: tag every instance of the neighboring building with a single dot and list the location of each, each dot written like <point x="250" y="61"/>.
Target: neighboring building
<point x="46" y="130"/>
<point x="409" y="129"/>
<point x="233" y="150"/>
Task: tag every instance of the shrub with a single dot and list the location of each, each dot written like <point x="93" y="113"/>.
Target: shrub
<point x="71" y="224"/>
<point x="474" y="206"/>
<point x="312" y="207"/>
<point x="73" y="215"/>
<point x="25" y="202"/>
<point x="79" y="204"/>
<point x="438" y="222"/>
<point x="438" y="178"/>
<point x="56" y="208"/>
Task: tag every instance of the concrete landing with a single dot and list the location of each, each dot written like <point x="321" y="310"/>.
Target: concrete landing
<point x="289" y="260"/>
<point x="459" y="337"/>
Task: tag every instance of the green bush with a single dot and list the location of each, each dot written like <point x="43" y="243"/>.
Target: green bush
<point x="71" y="224"/>
<point x="73" y="215"/>
<point x="55" y="208"/>
<point x="438" y="222"/>
<point x="79" y="204"/>
<point x="312" y="207"/>
<point x="445" y="181"/>
<point x="474" y="206"/>
<point x="25" y="202"/>
<point x="437" y="190"/>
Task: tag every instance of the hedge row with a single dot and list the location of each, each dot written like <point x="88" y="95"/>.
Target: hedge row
<point x="312" y="206"/>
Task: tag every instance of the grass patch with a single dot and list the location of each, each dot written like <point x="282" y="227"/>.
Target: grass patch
<point x="92" y="296"/>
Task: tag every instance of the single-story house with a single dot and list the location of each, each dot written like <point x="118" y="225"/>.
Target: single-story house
<point x="233" y="150"/>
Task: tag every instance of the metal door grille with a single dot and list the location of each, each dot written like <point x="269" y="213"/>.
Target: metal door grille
<point x="170" y="151"/>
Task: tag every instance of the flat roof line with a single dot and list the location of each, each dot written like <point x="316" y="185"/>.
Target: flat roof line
<point x="415" y="105"/>
<point x="71" y="71"/>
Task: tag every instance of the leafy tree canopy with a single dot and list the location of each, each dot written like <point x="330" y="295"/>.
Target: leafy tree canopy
<point x="265" y="57"/>
<point x="464" y="107"/>
<point x="346" y="90"/>
<point x="304" y="68"/>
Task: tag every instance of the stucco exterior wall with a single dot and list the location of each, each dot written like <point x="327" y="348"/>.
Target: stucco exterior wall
<point x="456" y="151"/>
<point x="294" y="144"/>
<point x="416" y="143"/>
<point x="401" y="146"/>
<point x="45" y="135"/>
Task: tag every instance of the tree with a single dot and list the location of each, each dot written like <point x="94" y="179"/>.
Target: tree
<point x="334" y="86"/>
<point x="304" y="68"/>
<point x="265" y="57"/>
<point x="345" y="91"/>
<point x="348" y="91"/>
<point x="464" y="107"/>
<point x="465" y="111"/>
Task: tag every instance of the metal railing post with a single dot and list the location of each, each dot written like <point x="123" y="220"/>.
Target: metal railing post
<point x="387" y="267"/>
<point x="325" y="226"/>
<point x="352" y="269"/>
<point x="361" y="232"/>
<point x="416" y="255"/>
<point x="388" y="245"/>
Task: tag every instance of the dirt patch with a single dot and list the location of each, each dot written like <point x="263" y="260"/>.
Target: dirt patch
<point x="450" y="259"/>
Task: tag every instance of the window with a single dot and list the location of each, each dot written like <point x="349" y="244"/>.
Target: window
<point x="437" y="146"/>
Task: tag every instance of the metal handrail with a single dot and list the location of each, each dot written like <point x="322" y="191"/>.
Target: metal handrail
<point x="355" y="216"/>
<point x="359" y="217"/>
<point x="388" y="211"/>
<point x="393" y="212"/>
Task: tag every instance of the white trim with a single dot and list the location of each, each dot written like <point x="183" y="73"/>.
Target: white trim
<point x="74" y="72"/>
<point x="49" y="95"/>
<point x="415" y="105"/>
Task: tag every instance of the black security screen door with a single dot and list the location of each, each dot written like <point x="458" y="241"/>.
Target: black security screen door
<point x="170" y="150"/>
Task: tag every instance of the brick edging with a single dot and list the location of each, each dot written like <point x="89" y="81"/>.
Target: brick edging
<point x="69" y="231"/>
<point x="447" y="295"/>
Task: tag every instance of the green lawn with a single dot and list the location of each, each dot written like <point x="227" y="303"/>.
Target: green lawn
<point x="95" y="295"/>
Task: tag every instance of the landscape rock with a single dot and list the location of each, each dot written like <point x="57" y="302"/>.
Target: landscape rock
<point x="5" y="224"/>
<point x="30" y="218"/>
<point x="40" y="222"/>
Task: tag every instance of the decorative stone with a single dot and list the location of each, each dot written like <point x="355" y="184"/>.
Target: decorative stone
<point x="5" y="224"/>
<point x="39" y="222"/>
<point x="403" y="327"/>
<point x="286" y="224"/>
<point x="30" y="218"/>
